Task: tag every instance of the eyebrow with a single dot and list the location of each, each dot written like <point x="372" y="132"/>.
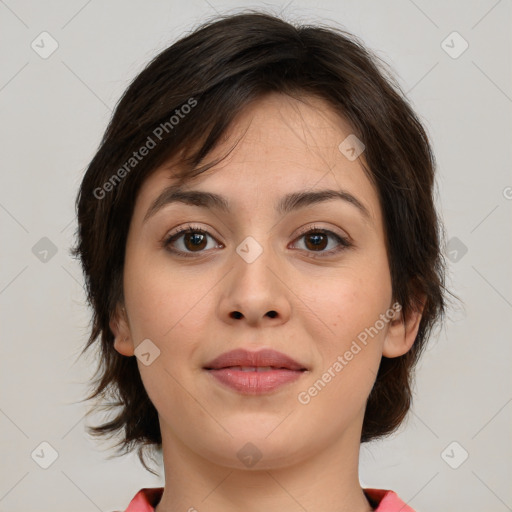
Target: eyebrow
<point x="287" y="204"/>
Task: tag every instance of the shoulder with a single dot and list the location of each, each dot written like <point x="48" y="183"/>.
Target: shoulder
<point x="145" y="500"/>
<point x="386" y="500"/>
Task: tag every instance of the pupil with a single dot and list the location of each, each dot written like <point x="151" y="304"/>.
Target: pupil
<point x="318" y="239"/>
<point x="196" y="239"/>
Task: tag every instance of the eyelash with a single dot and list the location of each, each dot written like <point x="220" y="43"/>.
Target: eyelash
<point x="343" y="242"/>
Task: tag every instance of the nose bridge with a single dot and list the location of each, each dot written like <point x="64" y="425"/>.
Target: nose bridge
<point x="250" y="249"/>
<point x="255" y="291"/>
<point x="252" y="263"/>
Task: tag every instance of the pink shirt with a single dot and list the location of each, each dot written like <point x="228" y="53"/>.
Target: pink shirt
<point x="385" y="501"/>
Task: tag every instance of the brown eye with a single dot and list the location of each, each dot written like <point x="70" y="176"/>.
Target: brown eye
<point x="187" y="241"/>
<point x="194" y="241"/>
<point x="318" y="240"/>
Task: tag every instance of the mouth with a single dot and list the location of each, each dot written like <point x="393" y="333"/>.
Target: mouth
<point x="263" y="360"/>
<point x="253" y="373"/>
<point x="254" y="368"/>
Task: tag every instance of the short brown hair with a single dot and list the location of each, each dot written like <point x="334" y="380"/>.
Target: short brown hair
<point x="218" y="69"/>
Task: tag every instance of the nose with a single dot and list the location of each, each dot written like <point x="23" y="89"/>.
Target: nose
<point x="256" y="291"/>
<point x="237" y="314"/>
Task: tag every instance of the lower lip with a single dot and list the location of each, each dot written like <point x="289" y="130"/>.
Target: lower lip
<point x="255" y="383"/>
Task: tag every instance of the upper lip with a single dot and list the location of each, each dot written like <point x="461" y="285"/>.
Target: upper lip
<point x="265" y="357"/>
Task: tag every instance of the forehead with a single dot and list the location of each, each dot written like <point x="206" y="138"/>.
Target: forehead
<point x="276" y="145"/>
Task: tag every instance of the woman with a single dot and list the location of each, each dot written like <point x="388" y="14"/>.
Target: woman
<point x="262" y="255"/>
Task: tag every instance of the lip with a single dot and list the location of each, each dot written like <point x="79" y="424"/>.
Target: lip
<point x="249" y="373"/>
<point x="262" y="358"/>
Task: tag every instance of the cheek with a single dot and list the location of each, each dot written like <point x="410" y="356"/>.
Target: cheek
<point x="349" y="352"/>
<point x="350" y="337"/>
<point x="167" y="307"/>
<point x="161" y="296"/>
<point x="349" y="299"/>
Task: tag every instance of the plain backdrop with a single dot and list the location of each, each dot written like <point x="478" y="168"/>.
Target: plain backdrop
<point x="454" y="452"/>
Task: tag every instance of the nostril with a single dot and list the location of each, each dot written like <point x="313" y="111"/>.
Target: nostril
<point x="272" y="314"/>
<point x="236" y="314"/>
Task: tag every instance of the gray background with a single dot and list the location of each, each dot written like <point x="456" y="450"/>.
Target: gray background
<point x="54" y="111"/>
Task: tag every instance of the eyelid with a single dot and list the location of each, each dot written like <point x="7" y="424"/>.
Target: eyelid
<point x="184" y="229"/>
<point x="315" y="227"/>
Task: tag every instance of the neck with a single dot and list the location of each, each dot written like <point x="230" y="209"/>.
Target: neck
<point x="324" y="480"/>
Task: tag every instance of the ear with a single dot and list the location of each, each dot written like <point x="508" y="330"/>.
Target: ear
<point x="403" y="331"/>
<point x="119" y="326"/>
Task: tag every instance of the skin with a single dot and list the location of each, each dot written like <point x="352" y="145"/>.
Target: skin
<point x="184" y="306"/>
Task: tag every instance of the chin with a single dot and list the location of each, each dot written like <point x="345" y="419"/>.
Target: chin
<point x="256" y="449"/>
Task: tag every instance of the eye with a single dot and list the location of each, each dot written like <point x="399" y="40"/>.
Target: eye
<point x="189" y="239"/>
<point x="193" y="239"/>
<point x="317" y="240"/>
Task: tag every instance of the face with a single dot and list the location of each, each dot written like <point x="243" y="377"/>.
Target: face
<point x="308" y="280"/>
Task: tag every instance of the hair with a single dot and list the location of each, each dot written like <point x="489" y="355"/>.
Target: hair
<point x="217" y="70"/>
